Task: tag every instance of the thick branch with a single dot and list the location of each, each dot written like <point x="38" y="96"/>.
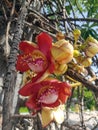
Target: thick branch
<point x="83" y="80"/>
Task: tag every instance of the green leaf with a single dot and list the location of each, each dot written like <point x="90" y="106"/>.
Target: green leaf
<point x="23" y="110"/>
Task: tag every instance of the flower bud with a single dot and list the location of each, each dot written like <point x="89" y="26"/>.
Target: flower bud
<point x="87" y="62"/>
<point x="76" y="34"/>
<point x="92" y="46"/>
<point x="91" y="49"/>
<point x="60" y="69"/>
<point x="62" y="51"/>
<point x="76" y="53"/>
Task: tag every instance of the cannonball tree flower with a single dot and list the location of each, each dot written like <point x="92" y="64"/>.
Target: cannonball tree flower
<point x="62" y="51"/>
<point x="49" y="93"/>
<point x="91" y="47"/>
<point x="91" y="50"/>
<point x="36" y="57"/>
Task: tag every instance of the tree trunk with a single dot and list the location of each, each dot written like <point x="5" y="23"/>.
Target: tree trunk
<point x="10" y="78"/>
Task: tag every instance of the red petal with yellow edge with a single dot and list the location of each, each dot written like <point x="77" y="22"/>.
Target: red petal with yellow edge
<point x="44" y="42"/>
<point x="21" y="65"/>
<point x="27" y="46"/>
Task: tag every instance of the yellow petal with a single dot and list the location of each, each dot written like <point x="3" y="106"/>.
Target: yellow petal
<point x="93" y="49"/>
<point x="47" y="116"/>
<point x="62" y="51"/>
<point x="58" y="115"/>
<point x="89" y="54"/>
<point x="61" y="42"/>
<point x="57" y="53"/>
<point x="92" y="46"/>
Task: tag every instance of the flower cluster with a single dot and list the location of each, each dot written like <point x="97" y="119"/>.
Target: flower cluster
<point x="83" y="52"/>
<point x="37" y="62"/>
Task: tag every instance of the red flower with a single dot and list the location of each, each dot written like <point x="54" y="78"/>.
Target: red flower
<point x="47" y="93"/>
<point x="36" y="57"/>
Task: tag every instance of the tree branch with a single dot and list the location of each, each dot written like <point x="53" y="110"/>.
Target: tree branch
<point x="80" y="19"/>
<point x="83" y="80"/>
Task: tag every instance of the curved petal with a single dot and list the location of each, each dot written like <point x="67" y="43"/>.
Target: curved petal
<point x="51" y="65"/>
<point x="35" y="61"/>
<point x="63" y="98"/>
<point x="27" y="46"/>
<point x="47" y="116"/>
<point x="62" y="51"/>
<point x="26" y="90"/>
<point x="49" y="97"/>
<point x="57" y="103"/>
<point x="67" y="89"/>
<point x="58" y="115"/>
<point x="44" y="42"/>
<point x="60" y="69"/>
<point x="40" y="76"/>
<point x="29" y="89"/>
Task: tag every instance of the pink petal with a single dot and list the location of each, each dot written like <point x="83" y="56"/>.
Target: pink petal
<point x="49" y="97"/>
<point x="37" y="65"/>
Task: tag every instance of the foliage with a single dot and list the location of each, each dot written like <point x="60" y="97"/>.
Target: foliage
<point x="85" y="9"/>
<point x="88" y="97"/>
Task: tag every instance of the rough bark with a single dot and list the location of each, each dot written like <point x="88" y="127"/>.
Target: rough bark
<point x="10" y="78"/>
